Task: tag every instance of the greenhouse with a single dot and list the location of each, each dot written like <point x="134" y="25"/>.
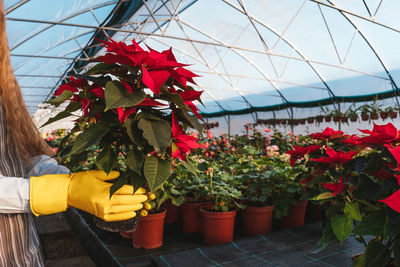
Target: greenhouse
<point x="200" y="132"/>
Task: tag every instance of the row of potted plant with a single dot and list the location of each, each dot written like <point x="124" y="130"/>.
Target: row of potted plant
<point x="366" y="112"/>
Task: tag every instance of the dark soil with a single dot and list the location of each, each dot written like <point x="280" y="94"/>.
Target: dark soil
<point x="60" y="245"/>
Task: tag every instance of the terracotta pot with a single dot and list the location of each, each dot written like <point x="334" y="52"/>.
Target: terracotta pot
<point x="173" y="212"/>
<point x="191" y="218"/>
<point x="353" y="119"/>
<point x="364" y="117"/>
<point x="344" y="119"/>
<point x="384" y="115"/>
<point x="336" y="118"/>
<point x="393" y="114"/>
<point x="310" y="120"/>
<point x="328" y="118"/>
<point x="374" y="116"/>
<point x="296" y="216"/>
<point x="149" y="231"/>
<point x="217" y="226"/>
<point x="296" y="122"/>
<point x="257" y="220"/>
<point x="319" y="119"/>
<point x="283" y="122"/>
<point x="302" y="121"/>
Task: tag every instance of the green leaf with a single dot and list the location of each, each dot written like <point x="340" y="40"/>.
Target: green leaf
<point x="67" y="94"/>
<point x="157" y="133"/>
<point x="377" y="254"/>
<point x="372" y="224"/>
<point x="102" y="80"/>
<point x="89" y="137"/>
<point x="189" y="166"/>
<point x="107" y="159"/>
<point x="359" y="261"/>
<point x="117" y="96"/>
<point x="134" y="161"/>
<point x="101" y="68"/>
<point x="366" y="188"/>
<point x="194" y="121"/>
<point x="137" y="181"/>
<point x="120" y="182"/>
<point x="341" y="226"/>
<point x="328" y="236"/>
<point x="353" y="210"/>
<point x="390" y="229"/>
<point x="147" y="116"/>
<point x="156" y="171"/>
<point x="134" y="132"/>
<point x="323" y="196"/>
<point x="62" y="115"/>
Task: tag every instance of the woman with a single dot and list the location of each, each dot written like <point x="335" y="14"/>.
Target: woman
<point x="32" y="182"/>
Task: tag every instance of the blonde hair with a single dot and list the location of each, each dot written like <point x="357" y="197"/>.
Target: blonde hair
<point x="21" y="132"/>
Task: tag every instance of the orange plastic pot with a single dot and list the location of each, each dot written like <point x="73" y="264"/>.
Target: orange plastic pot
<point x="257" y="220"/>
<point x="217" y="226"/>
<point x="173" y="212"/>
<point x="149" y="231"/>
<point x="191" y="218"/>
<point x="296" y="216"/>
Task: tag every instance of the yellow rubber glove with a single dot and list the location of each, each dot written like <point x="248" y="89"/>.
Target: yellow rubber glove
<point x="87" y="191"/>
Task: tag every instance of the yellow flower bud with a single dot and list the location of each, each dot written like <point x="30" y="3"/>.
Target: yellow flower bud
<point x="151" y="196"/>
<point x="147" y="206"/>
<point x="143" y="213"/>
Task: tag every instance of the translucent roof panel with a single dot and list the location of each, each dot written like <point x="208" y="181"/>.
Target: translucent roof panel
<point x="251" y="55"/>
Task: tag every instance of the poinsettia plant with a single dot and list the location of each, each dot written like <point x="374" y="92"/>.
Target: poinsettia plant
<point x="359" y="181"/>
<point x="133" y="108"/>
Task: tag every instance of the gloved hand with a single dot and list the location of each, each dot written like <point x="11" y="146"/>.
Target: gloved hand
<point x="87" y="191"/>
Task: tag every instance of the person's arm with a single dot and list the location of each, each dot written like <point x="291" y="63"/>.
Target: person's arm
<point x="14" y="191"/>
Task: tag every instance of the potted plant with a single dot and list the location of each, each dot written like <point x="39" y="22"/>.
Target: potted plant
<point x="391" y="111"/>
<point x="365" y="112"/>
<point x="149" y="230"/>
<point x="258" y="194"/>
<point x="351" y="113"/>
<point x="219" y="219"/>
<point x="133" y="105"/>
<point x="310" y="120"/>
<point x="319" y="118"/>
<point x="359" y="178"/>
<point x="375" y="109"/>
<point x="175" y="196"/>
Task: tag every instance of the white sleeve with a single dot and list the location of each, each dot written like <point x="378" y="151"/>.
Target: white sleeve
<point x="14" y="195"/>
<point x="14" y="191"/>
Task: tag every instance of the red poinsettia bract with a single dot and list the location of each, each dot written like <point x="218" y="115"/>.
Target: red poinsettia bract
<point x="182" y="143"/>
<point x="336" y="188"/>
<point x="336" y="157"/>
<point x="380" y="134"/>
<point x="298" y="152"/>
<point x="328" y="133"/>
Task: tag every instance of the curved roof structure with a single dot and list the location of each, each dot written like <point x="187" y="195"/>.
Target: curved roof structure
<point x="252" y="55"/>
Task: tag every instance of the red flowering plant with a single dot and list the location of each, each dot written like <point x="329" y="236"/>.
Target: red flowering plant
<point x="358" y="182"/>
<point x="136" y="107"/>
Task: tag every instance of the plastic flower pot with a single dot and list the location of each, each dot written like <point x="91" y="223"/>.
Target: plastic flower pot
<point x="302" y="121"/>
<point x="310" y="120"/>
<point x="374" y="116"/>
<point x="191" y="217"/>
<point x="328" y="118"/>
<point x="384" y="115"/>
<point x="149" y="231"/>
<point x="296" y="216"/>
<point x="319" y="118"/>
<point x="336" y="118"/>
<point x="393" y="114"/>
<point x="173" y="212"/>
<point x="296" y="122"/>
<point x="353" y="119"/>
<point x="364" y="117"/>
<point x="257" y="220"/>
<point x="217" y="226"/>
<point x="344" y="119"/>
